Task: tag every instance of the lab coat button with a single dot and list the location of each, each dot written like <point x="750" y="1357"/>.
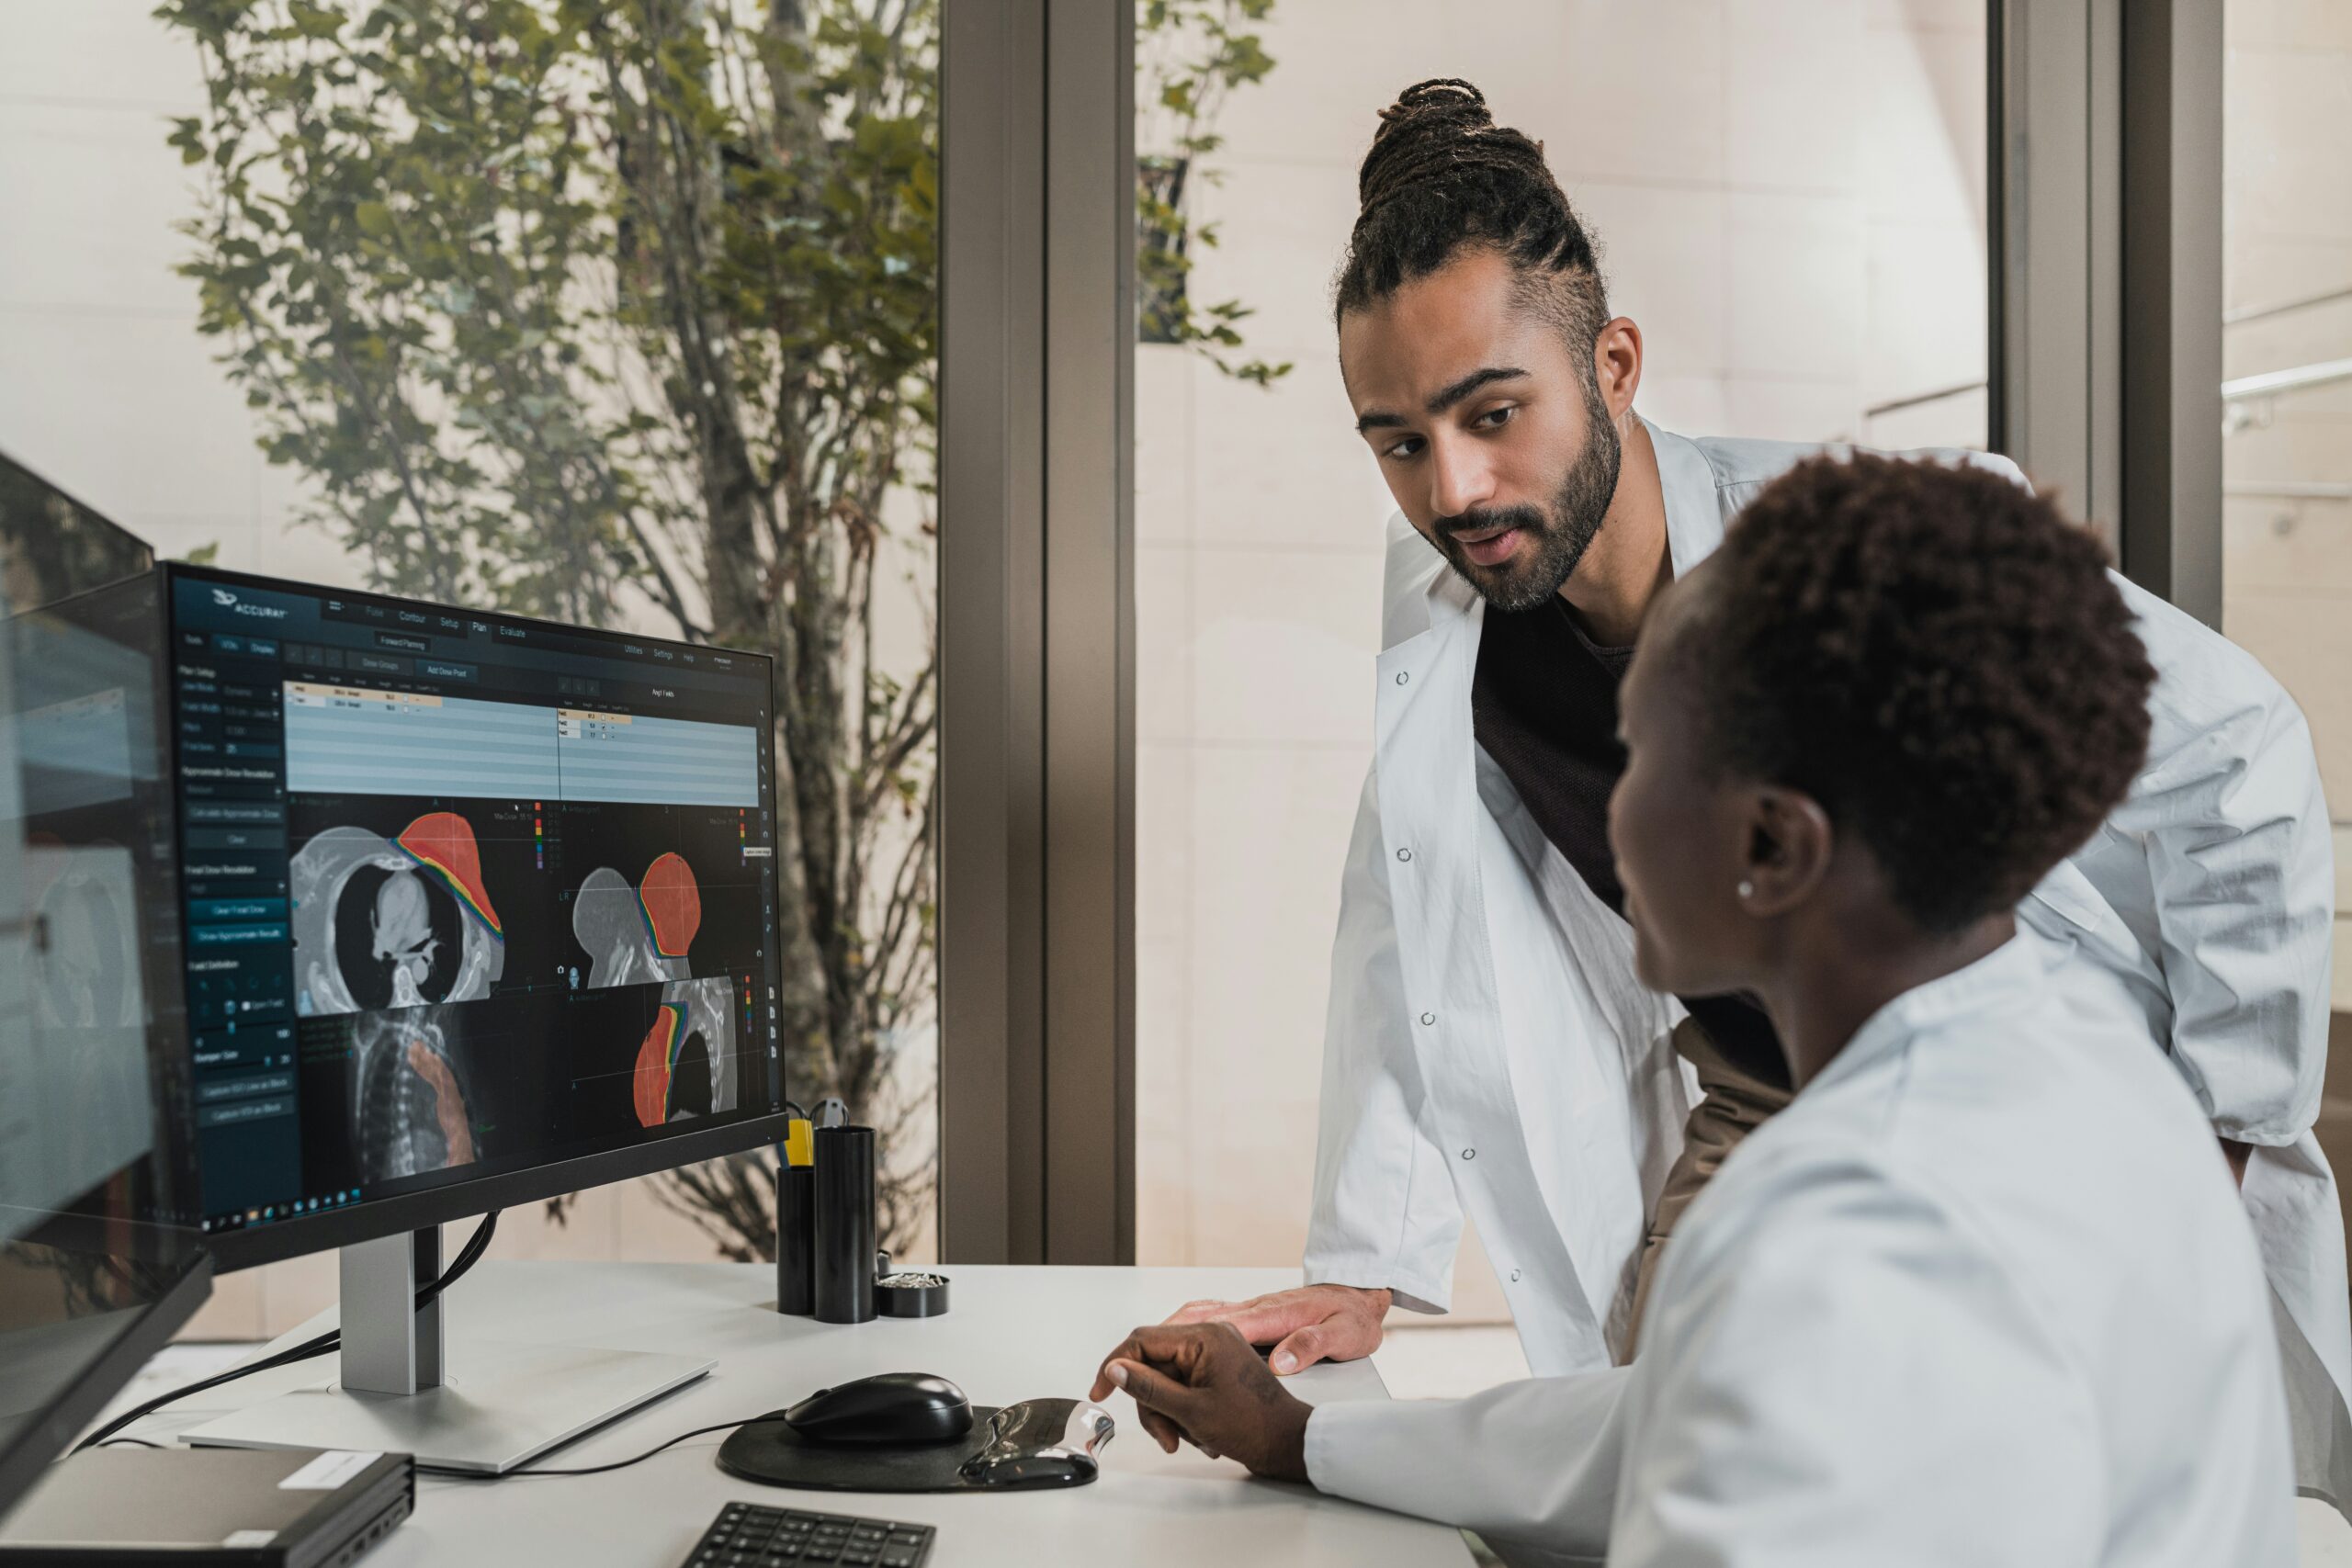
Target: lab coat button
<point x="1514" y="1276"/>
<point x="1469" y="1153"/>
<point x="1403" y="676"/>
<point x="1403" y="854"/>
<point x="1429" y="1018"/>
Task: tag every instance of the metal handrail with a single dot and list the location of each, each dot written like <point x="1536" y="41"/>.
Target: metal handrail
<point x="2295" y="378"/>
<point x="2292" y="489"/>
<point x="1916" y="399"/>
<point x="2266" y="384"/>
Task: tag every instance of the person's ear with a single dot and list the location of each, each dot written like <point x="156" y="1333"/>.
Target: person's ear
<point x="1617" y="367"/>
<point x="1788" y="845"/>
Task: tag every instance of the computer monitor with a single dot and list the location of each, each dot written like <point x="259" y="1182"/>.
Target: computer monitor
<point x="100" y="1259"/>
<point x="479" y="910"/>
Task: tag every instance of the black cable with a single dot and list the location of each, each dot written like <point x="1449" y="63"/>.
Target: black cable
<point x="591" y="1469"/>
<point x="318" y="1345"/>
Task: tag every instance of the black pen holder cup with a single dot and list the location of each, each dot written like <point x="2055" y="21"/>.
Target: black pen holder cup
<point x="796" y="1240"/>
<point x="845" y="1224"/>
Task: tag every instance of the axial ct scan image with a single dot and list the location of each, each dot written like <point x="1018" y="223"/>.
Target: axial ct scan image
<point x="395" y="922"/>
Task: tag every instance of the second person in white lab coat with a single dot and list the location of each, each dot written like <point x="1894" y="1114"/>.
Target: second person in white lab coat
<point x="1983" y="1293"/>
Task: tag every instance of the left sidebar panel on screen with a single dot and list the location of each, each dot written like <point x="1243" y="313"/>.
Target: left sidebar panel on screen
<point x="231" y="718"/>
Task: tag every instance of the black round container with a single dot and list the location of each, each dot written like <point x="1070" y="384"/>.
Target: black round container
<point x="845" y="1240"/>
<point x="909" y="1297"/>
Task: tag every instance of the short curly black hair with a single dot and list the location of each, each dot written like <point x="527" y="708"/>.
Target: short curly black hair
<point x="1442" y="177"/>
<point x="1936" y="656"/>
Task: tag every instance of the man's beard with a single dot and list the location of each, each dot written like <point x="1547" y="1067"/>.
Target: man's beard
<point x="1556" y="542"/>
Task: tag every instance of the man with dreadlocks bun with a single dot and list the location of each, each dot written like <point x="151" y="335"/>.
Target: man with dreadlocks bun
<point x="1490" y="1050"/>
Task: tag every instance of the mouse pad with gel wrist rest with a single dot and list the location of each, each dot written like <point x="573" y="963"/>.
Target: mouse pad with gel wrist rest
<point x="771" y="1453"/>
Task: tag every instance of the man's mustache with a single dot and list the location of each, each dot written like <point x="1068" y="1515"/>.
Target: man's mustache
<point x="1488" y="522"/>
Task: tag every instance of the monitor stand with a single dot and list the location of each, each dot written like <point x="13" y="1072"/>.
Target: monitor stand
<point x="493" y="1404"/>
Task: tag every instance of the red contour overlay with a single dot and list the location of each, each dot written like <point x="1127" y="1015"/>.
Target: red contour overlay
<point x="443" y="843"/>
<point x="656" y="1060"/>
<point x="672" y="904"/>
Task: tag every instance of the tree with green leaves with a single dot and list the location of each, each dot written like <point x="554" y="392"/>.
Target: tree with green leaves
<point x="1190" y="55"/>
<point x="626" y="313"/>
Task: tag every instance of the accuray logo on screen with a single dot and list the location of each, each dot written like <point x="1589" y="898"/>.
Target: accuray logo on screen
<point x="229" y="601"/>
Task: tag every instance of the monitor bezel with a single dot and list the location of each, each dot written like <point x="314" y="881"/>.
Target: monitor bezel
<point x="373" y="1219"/>
<point x="25" y="1460"/>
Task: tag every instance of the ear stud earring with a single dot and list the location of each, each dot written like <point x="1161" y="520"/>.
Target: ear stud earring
<point x="1747" y="888"/>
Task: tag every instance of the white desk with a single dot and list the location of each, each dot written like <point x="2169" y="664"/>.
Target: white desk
<point x="1012" y="1334"/>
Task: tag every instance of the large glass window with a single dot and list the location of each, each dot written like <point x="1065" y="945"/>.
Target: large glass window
<point x="623" y="314"/>
<point x="1790" y="200"/>
<point x="2287" y="402"/>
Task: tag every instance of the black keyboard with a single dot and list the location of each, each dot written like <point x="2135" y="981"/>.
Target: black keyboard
<point x="747" y="1536"/>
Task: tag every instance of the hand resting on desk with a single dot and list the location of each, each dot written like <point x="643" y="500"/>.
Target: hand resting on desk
<point x="1314" y="1323"/>
<point x="1204" y="1384"/>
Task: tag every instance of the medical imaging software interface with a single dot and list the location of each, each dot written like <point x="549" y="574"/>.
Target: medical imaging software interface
<point x="464" y="892"/>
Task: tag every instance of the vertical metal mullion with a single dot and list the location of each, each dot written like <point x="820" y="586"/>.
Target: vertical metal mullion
<point x="1090" y="334"/>
<point x="2171" y="279"/>
<point x="1037" y="950"/>
<point x="2052" y="195"/>
<point x="991" y="612"/>
<point x="2000" y="194"/>
<point x="2108" y="308"/>
<point x="1027" y="435"/>
<point x="2101" y="265"/>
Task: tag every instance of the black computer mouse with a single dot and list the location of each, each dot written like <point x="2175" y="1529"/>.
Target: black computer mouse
<point x="896" y="1408"/>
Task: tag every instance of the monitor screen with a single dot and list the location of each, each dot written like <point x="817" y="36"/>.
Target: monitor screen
<point x="467" y="896"/>
<point x="99" y="1256"/>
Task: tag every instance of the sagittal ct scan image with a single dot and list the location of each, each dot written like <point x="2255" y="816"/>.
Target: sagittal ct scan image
<point x="394" y="922"/>
<point x="687" y="1065"/>
<point x="409" y="1111"/>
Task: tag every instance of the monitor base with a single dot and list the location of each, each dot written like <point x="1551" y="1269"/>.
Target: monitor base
<point x="500" y="1407"/>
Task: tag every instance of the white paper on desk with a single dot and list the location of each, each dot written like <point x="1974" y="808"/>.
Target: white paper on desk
<point x="329" y="1470"/>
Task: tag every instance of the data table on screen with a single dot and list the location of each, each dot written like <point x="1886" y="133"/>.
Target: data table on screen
<point x="357" y="740"/>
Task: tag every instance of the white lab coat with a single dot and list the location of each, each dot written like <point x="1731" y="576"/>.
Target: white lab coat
<point x="1489" y="1051"/>
<point x="1916" y="1318"/>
